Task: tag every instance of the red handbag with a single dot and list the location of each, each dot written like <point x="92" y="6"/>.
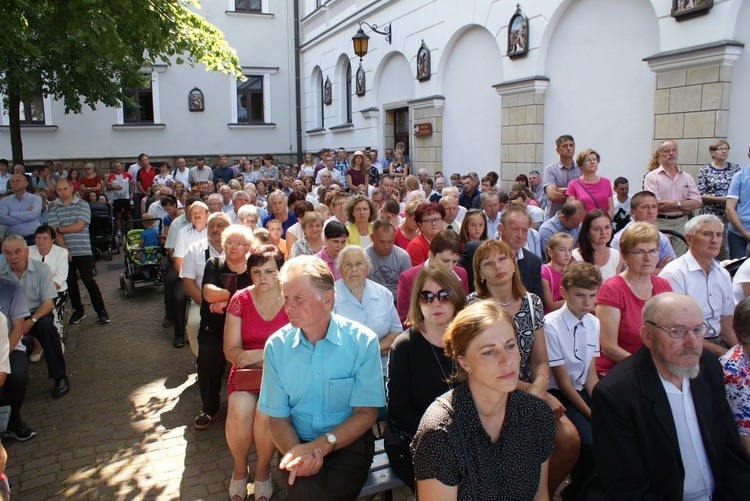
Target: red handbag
<point x="247" y="379"/>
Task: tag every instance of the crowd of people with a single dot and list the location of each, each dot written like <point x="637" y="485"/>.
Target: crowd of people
<point x="564" y="329"/>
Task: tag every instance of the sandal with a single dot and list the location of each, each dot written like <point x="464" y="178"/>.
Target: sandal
<point x="202" y="421"/>
<point x="263" y="489"/>
<point x="238" y="489"/>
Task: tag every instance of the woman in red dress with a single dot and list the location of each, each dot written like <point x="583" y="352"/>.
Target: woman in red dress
<point x="253" y="315"/>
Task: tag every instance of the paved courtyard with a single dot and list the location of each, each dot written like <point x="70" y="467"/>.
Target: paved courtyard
<point x="125" y="430"/>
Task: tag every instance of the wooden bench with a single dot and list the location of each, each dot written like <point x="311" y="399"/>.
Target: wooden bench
<point x="381" y="479"/>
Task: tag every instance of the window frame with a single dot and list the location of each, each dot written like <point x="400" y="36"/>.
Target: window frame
<point x="259" y="10"/>
<point x="154" y="72"/>
<point x="255" y="71"/>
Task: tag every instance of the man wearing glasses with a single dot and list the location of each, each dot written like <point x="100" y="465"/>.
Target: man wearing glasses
<point x="661" y="424"/>
<point x="698" y="275"/>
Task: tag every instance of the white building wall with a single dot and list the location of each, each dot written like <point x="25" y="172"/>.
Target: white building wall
<point x="261" y="41"/>
<point x="739" y="124"/>
<point x="471" y="117"/>
<point x="600" y="89"/>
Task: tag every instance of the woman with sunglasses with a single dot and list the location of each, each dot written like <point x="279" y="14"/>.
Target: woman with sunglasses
<point x="418" y="370"/>
<point x="496" y="277"/>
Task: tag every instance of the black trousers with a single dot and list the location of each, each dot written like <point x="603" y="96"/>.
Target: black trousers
<point x="45" y="332"/>
<point x="211" y="364"/>
<point x="84" y="265"/>
<point x="180" y="301"/>
<point x="342" y="476"/>
<point x="14" y="390"/>
<point x="170" y="279"/>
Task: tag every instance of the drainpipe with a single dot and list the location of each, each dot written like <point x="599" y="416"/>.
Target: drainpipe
<point x="297" y="83"/>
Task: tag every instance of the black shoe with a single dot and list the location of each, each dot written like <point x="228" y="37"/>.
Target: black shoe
<point x="103" y="318"/>
<point x="178" y="342"/>
<point x="62" y="387"/>
<point x="77" y="316"/>
<point x="22" y="433"/>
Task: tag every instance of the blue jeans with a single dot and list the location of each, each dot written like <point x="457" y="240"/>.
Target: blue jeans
<point x="737" y="246"/>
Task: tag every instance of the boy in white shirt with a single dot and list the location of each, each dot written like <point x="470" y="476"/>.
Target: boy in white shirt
<point x="572" y="336"/>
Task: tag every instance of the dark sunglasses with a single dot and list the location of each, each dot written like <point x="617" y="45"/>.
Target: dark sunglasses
<point x="427" y="297"/>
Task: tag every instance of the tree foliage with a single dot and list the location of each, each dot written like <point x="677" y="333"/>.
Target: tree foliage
<point x="87" y="51"/>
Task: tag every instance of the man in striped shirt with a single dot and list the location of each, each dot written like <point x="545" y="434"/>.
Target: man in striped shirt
<point x="70" y="217"/>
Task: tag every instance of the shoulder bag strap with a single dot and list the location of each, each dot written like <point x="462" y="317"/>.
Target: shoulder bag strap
<point x="469" y="472"/>
<point x="582" y="185"/>
<point x="531" y="309"/>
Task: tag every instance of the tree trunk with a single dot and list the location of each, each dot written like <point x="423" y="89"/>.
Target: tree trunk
<point x="16" y="145"/>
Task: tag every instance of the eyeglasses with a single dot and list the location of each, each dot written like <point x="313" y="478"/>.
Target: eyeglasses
<point x="433" y="220"/>
<point x="723" y="148"/>
<point x="427" y="297"/>
<point x="232" y="243"/>
<point x="640" y="253"/>
<point x="699" y="331"/>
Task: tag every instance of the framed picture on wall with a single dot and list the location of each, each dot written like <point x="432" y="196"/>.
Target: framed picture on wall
<point x="360" y="81"/>
<point x="423" y="63"/>
<point x="327" y="92"/>
<point x="685" y="9"/>
<point x="195" y="100"/>
<point x="518" y="34"/>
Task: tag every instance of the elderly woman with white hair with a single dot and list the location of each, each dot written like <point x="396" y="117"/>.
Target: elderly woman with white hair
<point x="312" y="243"/>
<point x="367" y="302"/>
<point x="223" y="276"/>
<point x="277" y="205"/>
<point x="248" y="216"/>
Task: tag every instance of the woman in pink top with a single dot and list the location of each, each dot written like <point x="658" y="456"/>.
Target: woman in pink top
<point x="621" y="298"/>
<point x="594" y="192"/>
<point x="253" y="314"/>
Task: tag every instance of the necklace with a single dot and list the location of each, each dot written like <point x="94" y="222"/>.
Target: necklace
<point x="273" y="308"/>
<point x="504" y="304"/>
<point x="437" y="359"/>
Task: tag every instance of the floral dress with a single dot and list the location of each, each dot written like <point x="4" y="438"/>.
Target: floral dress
<point x="715" y="182"/>
<point x="737" y="383"/>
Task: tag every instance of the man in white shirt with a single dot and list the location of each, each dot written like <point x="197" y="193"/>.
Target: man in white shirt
<point x="122" y="187"/>
<point x="491" y="209"/>
<point x="181" y="172"/>
<point x="662" y="427"/>
<point x="328" y="167"/>
<point x="187" y="236"/>
<point x="698" y="275"/>
<point x="192" y="271"/>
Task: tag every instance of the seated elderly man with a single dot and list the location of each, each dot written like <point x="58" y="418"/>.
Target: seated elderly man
<point x="661" y="423"/>
<point x="36" y="280"/>
<point x="20" y="211"/>
<point x="322" y="385"/>
<point x="699" y="275"/>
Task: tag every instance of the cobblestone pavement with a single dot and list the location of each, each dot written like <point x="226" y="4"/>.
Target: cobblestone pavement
<point x="125" y="429"/>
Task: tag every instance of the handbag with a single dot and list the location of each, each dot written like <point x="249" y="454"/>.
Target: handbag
<point x="247" y="379"/>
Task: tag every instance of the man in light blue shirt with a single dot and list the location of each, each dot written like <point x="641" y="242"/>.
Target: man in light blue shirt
<point x="322" y="385"/>
<point x="20" y="211"/>
<point x="738" y="213"/>
<point x="567" y="220"/>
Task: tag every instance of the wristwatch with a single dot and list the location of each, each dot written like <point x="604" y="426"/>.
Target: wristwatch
<point x="57" y="230"/>
<point x="331" y="439"/>
<point x="34" y="320"/>
<point x="679" y="204"/>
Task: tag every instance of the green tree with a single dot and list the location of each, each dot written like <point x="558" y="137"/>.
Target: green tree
<point x="86" y="51"/>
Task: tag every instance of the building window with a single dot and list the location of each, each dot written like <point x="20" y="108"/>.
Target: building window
<point x="32" y="112"/>
<point x="143" y="111"/>
<point x="250" y="100"/>
<point x="247" y="5"/>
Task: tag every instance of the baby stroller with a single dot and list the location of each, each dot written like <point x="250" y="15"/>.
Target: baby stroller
<point x="142" y="264"/>
<point x="102" y="230"/>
